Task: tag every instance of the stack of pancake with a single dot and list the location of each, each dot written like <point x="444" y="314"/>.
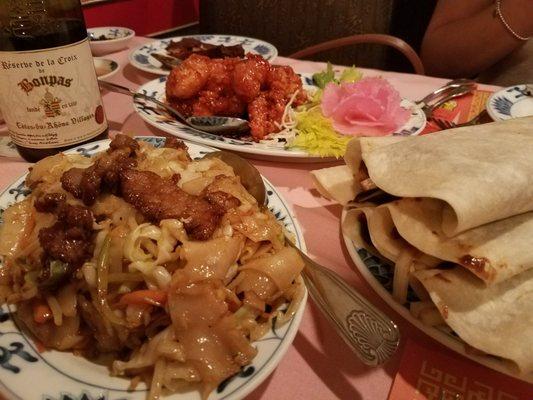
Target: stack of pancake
<point x="453" y="211"/>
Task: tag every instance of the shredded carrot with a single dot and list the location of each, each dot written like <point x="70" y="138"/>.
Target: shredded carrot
<point x="41" y="313"/>
<point x="152" y="297"/>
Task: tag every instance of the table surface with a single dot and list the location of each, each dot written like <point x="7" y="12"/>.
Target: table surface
<point x="318" y="365"/>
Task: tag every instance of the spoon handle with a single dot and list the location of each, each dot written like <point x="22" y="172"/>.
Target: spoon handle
<point x="124" y="90"/>
<point x="170" y="109"/>
<point x="371" y="335"/>
<point x="116" y="88"/>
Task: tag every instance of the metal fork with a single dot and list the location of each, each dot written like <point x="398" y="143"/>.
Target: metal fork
<point x="451" y="94"/>
<point x="445" y="124"/>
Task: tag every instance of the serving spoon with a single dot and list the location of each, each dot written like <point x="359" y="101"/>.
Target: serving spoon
<point x="371" y="335"/>
<point x="209" y="124"/>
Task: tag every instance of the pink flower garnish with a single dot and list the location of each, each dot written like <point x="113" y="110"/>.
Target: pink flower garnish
<point x="369" y="107"/>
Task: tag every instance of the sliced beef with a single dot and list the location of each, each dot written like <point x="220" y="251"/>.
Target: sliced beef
<point x="223" y="200"/>
<point x="49" y="202"/>
<point x="123" y="142"/>
<point x="76" y="217"/>
<point x="104" y="174"/>
<point x="69" y="246"/>
<point x="71" y="181"/>
<point x="174" y="143"/>
<point x="159" y="198"/>
<point x="70" y="239"/>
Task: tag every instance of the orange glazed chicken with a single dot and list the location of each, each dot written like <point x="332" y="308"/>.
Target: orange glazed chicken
<point x="235" y="87"/>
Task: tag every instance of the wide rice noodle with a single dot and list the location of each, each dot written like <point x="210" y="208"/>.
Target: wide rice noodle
<point x="199" y="327"/>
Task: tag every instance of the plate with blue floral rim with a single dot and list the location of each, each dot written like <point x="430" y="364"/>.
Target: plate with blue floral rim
<point x="104" y="67"/>
<point x="512" y="102"/>
<point x="380" y="274"/>
<point x="267" y="149"/>
<point x="26" y="373"/>
<point x="109" y="39"/>
<point x="141" y="57"/>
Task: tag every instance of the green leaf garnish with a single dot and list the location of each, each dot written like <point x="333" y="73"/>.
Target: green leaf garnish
<point x="321" y="79"/>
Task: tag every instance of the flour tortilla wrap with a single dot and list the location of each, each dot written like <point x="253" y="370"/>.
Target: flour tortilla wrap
<point x="493" y="252"/>
<point x="372" y="228"/>
<point x="335" y="183"/>
<point x="463" y="196"/>
<point x="497" y="319"/>
<point x="481" y="173"/>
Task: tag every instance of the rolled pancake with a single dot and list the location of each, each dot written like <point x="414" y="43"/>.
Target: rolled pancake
<point x="496" y="319"/>
<point x="335" y="183"/>
<point x="372" y="228"/>
<point x="338" y="183"/>
<point x="494" y="252"/>
<point x="482" y="173"/>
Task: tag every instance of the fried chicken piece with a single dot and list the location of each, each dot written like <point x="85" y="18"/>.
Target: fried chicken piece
<point x="188" y="78"/>
<point x="184" y="106"/>
<point x="217" y="96"/>
<point x="220" y="75"/>
<point x="249" y="76"/>
<point x="201" y="86"/>
<point x="285" y="82"/>
<point x="159" y="198"/>
<point x="217" y="103"/>
<point x="264" y="111"/>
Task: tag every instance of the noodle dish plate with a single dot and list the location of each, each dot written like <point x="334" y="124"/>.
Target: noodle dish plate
<point x="28" y="371"/>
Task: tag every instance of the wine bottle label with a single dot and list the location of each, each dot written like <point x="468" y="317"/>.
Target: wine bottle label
<point x="50" y="97"/>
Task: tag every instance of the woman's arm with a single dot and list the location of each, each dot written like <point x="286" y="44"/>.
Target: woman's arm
<point x="465" y="37"/>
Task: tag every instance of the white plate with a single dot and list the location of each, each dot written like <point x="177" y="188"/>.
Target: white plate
<point x="511" y="102"/>
<point x="104" y="67"/>
<point x="141" y="58"/>
<point x="160" y="119"/>
<point x="57" y="375"/>
<point x="380" y="275"/>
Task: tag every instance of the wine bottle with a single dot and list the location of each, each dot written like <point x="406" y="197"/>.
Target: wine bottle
<point x="49" y="93"/>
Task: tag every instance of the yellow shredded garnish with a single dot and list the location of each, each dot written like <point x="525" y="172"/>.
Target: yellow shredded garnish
<point x="317" y="136"/>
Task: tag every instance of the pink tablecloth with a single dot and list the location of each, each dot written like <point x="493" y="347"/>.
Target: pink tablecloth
<point x="319" y="365"/>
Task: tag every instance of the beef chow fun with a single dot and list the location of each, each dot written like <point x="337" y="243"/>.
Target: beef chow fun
<point x="164" y="268"/>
